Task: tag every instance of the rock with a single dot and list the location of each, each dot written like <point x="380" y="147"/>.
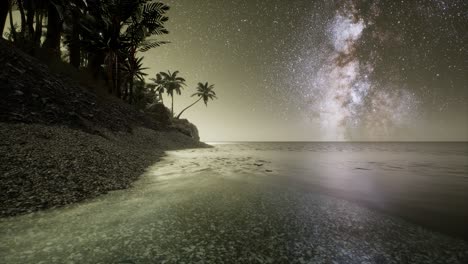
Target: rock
<point x="187" y="128"/>
<point x="160" y="113"/>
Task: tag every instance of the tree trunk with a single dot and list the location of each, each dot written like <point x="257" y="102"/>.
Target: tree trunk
<point x="161" y="97"/>
<point x="117" y="87"/>
<point x="4" y="7"/>
<point x="54" y="27"/>
<point x="178" y="116"/>
<point x="23" y="18"/>
<point x="74" y="47"/>
<point x="30" y="12"/>
<point x="130" y="98"/>
<point x="12" y="26"/>
<point x="94" y="65"/>
<point x="126" y="91"/>
<point x="38" y="35"/>
<point x="84" y="58"/>
<point x="172" y="104"/>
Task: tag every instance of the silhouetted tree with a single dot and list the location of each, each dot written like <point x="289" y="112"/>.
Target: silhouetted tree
<point x="171" y="83"/>
<point x="23" y="18"/>
<point x="39" y="12"/>
<point x="160" y="88"/>
<point x="32" y="13"/>
<point x="205" y="92"/>
<point x="12" y="35"/>
<point x="4" y="7"/>
<point x="132" y="69"/>
<point x="119" y="27"/>
<point x="72" y="14"/>
<point x="104" y="36"/>
<point x="145" y="95"/>
<point x="54" y="29"/>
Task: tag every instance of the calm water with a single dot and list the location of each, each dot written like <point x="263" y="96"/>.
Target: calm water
<point x="266" y="203"/>
<point x="424" y="182"/>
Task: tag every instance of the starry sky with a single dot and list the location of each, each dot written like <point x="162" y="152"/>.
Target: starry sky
<point x="311" y="70"/>
<point x="322" y="70"/>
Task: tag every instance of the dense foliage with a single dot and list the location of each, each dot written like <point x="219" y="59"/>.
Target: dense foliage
<point x="103" y="38"/>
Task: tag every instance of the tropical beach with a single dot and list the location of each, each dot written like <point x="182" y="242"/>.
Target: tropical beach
<point x="254" y="203"/>
<point x="236" y="131"/>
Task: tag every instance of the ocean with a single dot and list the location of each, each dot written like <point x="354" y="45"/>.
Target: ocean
<point x="420" y="181"/>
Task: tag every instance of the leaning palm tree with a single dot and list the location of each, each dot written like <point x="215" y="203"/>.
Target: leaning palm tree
<point x="170" y="83"/>
<point x="205" y="92"/>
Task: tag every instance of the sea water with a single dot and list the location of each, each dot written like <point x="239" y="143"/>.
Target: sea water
<point x="423" y="182"/>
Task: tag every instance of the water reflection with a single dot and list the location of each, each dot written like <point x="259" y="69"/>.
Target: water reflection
<point x="264" y="202"/>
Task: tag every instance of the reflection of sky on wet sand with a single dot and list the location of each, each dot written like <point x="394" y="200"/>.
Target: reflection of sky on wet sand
<point x="261" y="201"/>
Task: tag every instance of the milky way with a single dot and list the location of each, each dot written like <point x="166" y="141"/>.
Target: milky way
<point x="348" y="104"/>
<point x="323" y="69"/>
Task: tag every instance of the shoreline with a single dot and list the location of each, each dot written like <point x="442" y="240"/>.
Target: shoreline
<point x="185" y="209"/>
<point x="443" y="218"/>
<point x="64" y="141"/>
<point x="44" y="167"/>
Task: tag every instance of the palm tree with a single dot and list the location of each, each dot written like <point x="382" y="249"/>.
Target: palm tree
<point x="54" y="29"/>
<point x="205" y="92"/>
<point x="171" y="83"/>
<point x="160" y="88"/>
<point x="32" y="14"/>
<point x="113" y="29"/>
<point x="72" y="12"/>
<point x="133" y="70"/>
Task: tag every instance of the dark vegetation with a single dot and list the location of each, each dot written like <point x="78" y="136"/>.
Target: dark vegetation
<point x="62" y="143"/>
<point x="30" y="93"/>
<point x="100" y="39"/>
<point x="76" y="116"/>
<point x="97" y="43"/>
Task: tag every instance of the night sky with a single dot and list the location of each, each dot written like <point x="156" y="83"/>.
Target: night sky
<point x="305" y="70"/>
<point x="322" y="70"/>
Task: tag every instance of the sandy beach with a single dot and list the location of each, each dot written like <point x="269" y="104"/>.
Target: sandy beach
<point x="230" y="204"/>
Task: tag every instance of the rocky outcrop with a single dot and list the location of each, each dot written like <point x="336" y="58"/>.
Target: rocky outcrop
<point x="186" y="128"/>
<point x="161" y="113"/>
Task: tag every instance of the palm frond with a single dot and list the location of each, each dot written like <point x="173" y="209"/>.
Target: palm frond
<point x="147" y="45"/>
<point x="164" y="75"/>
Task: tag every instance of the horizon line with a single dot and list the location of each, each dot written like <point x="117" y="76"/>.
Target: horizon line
<point x="337" y="141"/>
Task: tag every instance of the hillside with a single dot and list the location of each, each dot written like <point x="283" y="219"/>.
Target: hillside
<point x="62" y="143"/>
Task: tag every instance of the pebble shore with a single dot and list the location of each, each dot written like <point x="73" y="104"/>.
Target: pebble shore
<point x="49" y="166"/>
<point x="206" y="206"/>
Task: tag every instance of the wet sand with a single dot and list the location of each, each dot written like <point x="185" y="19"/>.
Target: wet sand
<point x="219" y="205"/>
